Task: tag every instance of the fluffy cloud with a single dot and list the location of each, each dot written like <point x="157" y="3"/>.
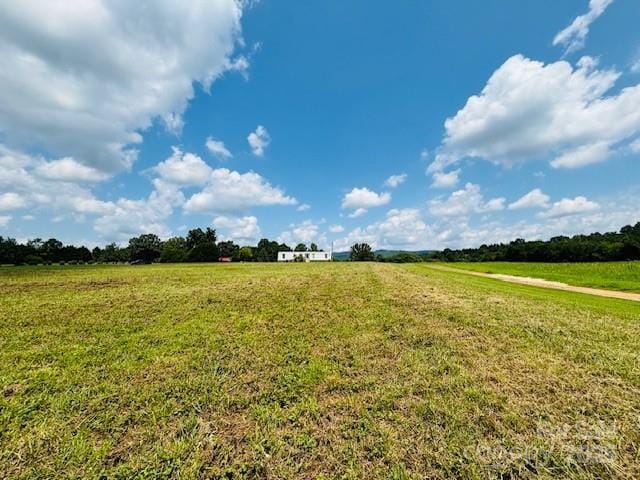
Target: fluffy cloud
<point x="358" y="212"/>
<point x="230" y="191"/>
<point x="407" y="230"/>
<point x="584" y="155"/>
<point x="573" y="37"/>
<point x="303" y="208"/>
<point x="32" y="182"/>
<point x="305" y="232"/>
<point x="184" y="169"/>
<point x="363" y="198"/>
<point x="446" y="180"/>
<point x="4" y="220"/>
<point x="58" y="95"/>
<point x="529" y="110"/>
<point x="26" y="184"/>
<point x="635" y="146"/>
<point x="69" y="170"/>
<point x="259" y="140"/>
<point x="463" y="202"/>
<point x="126" y="218"/>
<point x="395" y="180"/>
<point x="570" y="206"/>
<point x="240" y="229"/>
<point x="217" y="148"/>
<point x="536" y="198"/>
<point x="401" y="228"/>
<point x="336" y="229"/>
<point x="11" y="201"/>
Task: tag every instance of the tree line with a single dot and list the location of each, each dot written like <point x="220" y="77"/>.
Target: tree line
<point x="203" y="246"/>
<point x="596" y="247"/>
<point x="197" y="246"/>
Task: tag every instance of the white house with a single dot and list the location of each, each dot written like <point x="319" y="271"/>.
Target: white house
<point x="306" y="256"/>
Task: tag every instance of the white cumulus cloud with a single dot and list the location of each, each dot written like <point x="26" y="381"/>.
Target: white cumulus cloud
<point x="259" y="140"/>
<point x="583" y="155"/>
<point x="396" y="180"/>
<point x="240" y="229"/>
<point x="529" y="110"/>
<point x="11" y="201"/>
<point x="305" y="232"/>
<point x="231" y="191"/>
<point x="401" y="228"/>
<point x="573" y="37"/>
<point x="218" y="148"/>
<point x="365" y="198"/>
<point x="536" y="198"/>
<point x="446" y="180"/>
<point x="463" y="202"/>
<point x="358" y="212"/>
<point x="570" y="206"/>
<point x="59" y="95"/>
<point x="69" y="170"/>
<point x="184" y="169"/>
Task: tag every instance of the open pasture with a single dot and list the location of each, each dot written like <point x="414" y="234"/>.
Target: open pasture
<point x="609" y="275"/>
<point x="342" y="370"/>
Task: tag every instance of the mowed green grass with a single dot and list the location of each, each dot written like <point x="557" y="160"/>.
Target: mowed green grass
<point x="328" y="371"/>
<point x="610" y="275"/>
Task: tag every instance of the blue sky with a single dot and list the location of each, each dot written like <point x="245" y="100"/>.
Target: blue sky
<point x="417" y="125"/>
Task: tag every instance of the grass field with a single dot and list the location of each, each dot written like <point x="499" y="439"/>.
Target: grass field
<point x="331" y="371"/>
<point x="611" y="275"/>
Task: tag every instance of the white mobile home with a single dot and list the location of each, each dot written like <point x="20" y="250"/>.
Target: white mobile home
<point x="305" y="256"/>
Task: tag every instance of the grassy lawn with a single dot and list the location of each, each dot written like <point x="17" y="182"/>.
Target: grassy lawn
<point x="311" y="371"/>
<point x="612" y="275"/>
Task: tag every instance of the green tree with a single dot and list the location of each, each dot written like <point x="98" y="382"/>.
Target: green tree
<point x="203" y="252"/>
<point x="313" y="247"/>
<point x="228" y="249"/>
<point x="301" y="247"/>
<point x="202" y="245"/>
<point x="197" y="236"/>
<point x="245" y="254"/>
<point x="361" y="252"/>
<point x="145" y="248"/>
<point x="267" y="251"/>
<point x="51" y="250"/>
<point x="174" y="250"/>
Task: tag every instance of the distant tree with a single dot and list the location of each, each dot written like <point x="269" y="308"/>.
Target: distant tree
<point x="197" y="236"/>
<point x="51" y="250"/>
<point x="202" y="245"/>
<point x="203" y="252"/>
<point x="33" y="260"/>
<point x="361" y="252"/>
<point x="112" y="253"/>
<point x="313" y="247"/>
<point x="228" y="249"/>
<point x="283" y="247"/>
<point x="35" y="244"/>
<point x="266" y="251"/>
<point x="245" y="254"/>
<point x="301" y="247"/>
<point x="174" y="250"/>
<point x="8" y="250"/>
<point x="146" y="248"/>
<point x="97" y="254"/>
<point x="82" y="254"/>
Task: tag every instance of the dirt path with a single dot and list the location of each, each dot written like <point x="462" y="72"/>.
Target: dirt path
<point x="539" y="282"/>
